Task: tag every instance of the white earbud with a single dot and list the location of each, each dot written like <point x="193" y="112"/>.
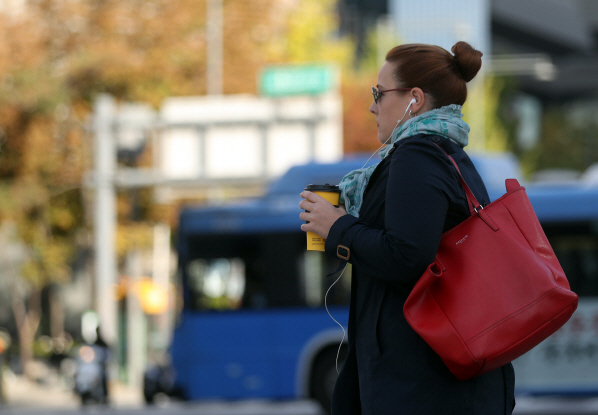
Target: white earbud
<point x="413" y="101"/>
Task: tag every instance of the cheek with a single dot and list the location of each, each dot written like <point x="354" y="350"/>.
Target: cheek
<point x="389" y="119"/>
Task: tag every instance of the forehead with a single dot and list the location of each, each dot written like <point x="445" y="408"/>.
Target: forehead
<point x="385" y="76"/>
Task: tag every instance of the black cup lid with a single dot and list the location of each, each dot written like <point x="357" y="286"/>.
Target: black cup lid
<point x="322" y="188"/>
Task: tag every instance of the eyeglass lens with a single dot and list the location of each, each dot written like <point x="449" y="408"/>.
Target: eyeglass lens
<point x="375" y="94"/>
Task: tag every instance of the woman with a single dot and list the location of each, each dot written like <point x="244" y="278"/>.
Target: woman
<point x="397" y="212"/>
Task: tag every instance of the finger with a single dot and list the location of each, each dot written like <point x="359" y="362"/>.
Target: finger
<point x="311" y="196"/>
<point x="306" y="227"/>
<point x="306" y="205"/>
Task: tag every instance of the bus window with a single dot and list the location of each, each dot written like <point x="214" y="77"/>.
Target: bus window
<point x="256" y="271"/>
<point x="217" y="283"/>
<point x="315" y="267"/>
<point x="576" y="247"/>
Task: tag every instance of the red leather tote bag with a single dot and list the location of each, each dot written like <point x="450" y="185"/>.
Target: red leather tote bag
<point x="495" y="289"/>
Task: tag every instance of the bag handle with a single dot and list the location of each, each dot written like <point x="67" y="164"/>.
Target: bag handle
<point x="474" y="205"/>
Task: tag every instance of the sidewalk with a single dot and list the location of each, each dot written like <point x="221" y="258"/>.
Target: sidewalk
<point x="20" y="392"/>
<point x="26" y="397"/>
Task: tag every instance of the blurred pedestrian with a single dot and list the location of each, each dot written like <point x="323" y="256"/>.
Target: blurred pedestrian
<point x="104" y="360"/>
<point x="389" y="229"/>
<point x="91" y="376"/>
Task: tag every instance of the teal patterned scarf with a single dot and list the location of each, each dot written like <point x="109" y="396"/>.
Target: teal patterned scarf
<point x="445" y="121"/>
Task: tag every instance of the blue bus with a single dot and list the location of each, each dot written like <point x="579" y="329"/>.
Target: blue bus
<point x="253" y="322"/>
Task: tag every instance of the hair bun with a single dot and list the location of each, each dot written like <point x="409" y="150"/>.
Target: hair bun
<point x="467" y="59"/>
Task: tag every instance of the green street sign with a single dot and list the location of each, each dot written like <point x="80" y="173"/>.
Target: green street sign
<point x="285" y="80"/>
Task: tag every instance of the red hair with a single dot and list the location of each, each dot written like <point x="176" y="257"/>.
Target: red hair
<point x="434" y="69"/>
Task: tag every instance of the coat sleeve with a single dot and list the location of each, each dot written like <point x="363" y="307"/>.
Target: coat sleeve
<point x="419" y="189"/>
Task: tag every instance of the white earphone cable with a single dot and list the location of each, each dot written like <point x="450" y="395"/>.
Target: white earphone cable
<point x="328" y="311"/>
<point x="345" y="267"/>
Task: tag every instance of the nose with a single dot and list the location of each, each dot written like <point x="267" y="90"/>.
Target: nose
<point x="373" y="107"/>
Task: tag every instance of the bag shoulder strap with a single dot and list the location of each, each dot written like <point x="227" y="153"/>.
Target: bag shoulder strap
<point x="473" y="203"/>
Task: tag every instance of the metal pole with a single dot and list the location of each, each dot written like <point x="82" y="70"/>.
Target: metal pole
<point x="214" y="47"/>
<point x="136" y="353"/>
<point x="105" y="217"/>
<point x="161" y="277"/>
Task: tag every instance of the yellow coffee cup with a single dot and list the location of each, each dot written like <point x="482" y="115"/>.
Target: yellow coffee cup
<point x="331" y="193"/>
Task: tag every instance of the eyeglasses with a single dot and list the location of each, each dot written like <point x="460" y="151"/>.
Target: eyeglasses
<point x="376" y="93"/>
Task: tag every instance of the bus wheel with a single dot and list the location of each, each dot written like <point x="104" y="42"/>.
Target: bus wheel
<point x="323" y="375"/>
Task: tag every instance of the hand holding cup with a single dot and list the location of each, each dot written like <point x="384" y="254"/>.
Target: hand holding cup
<point x="321" y="211"/>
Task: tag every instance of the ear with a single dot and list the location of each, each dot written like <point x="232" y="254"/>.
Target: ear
<point x="422" y="102"/>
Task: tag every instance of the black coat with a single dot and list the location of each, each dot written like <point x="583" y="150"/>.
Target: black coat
<point x="413" y="196"/>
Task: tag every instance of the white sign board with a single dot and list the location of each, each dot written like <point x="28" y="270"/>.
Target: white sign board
<point x="243" y="136"/>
